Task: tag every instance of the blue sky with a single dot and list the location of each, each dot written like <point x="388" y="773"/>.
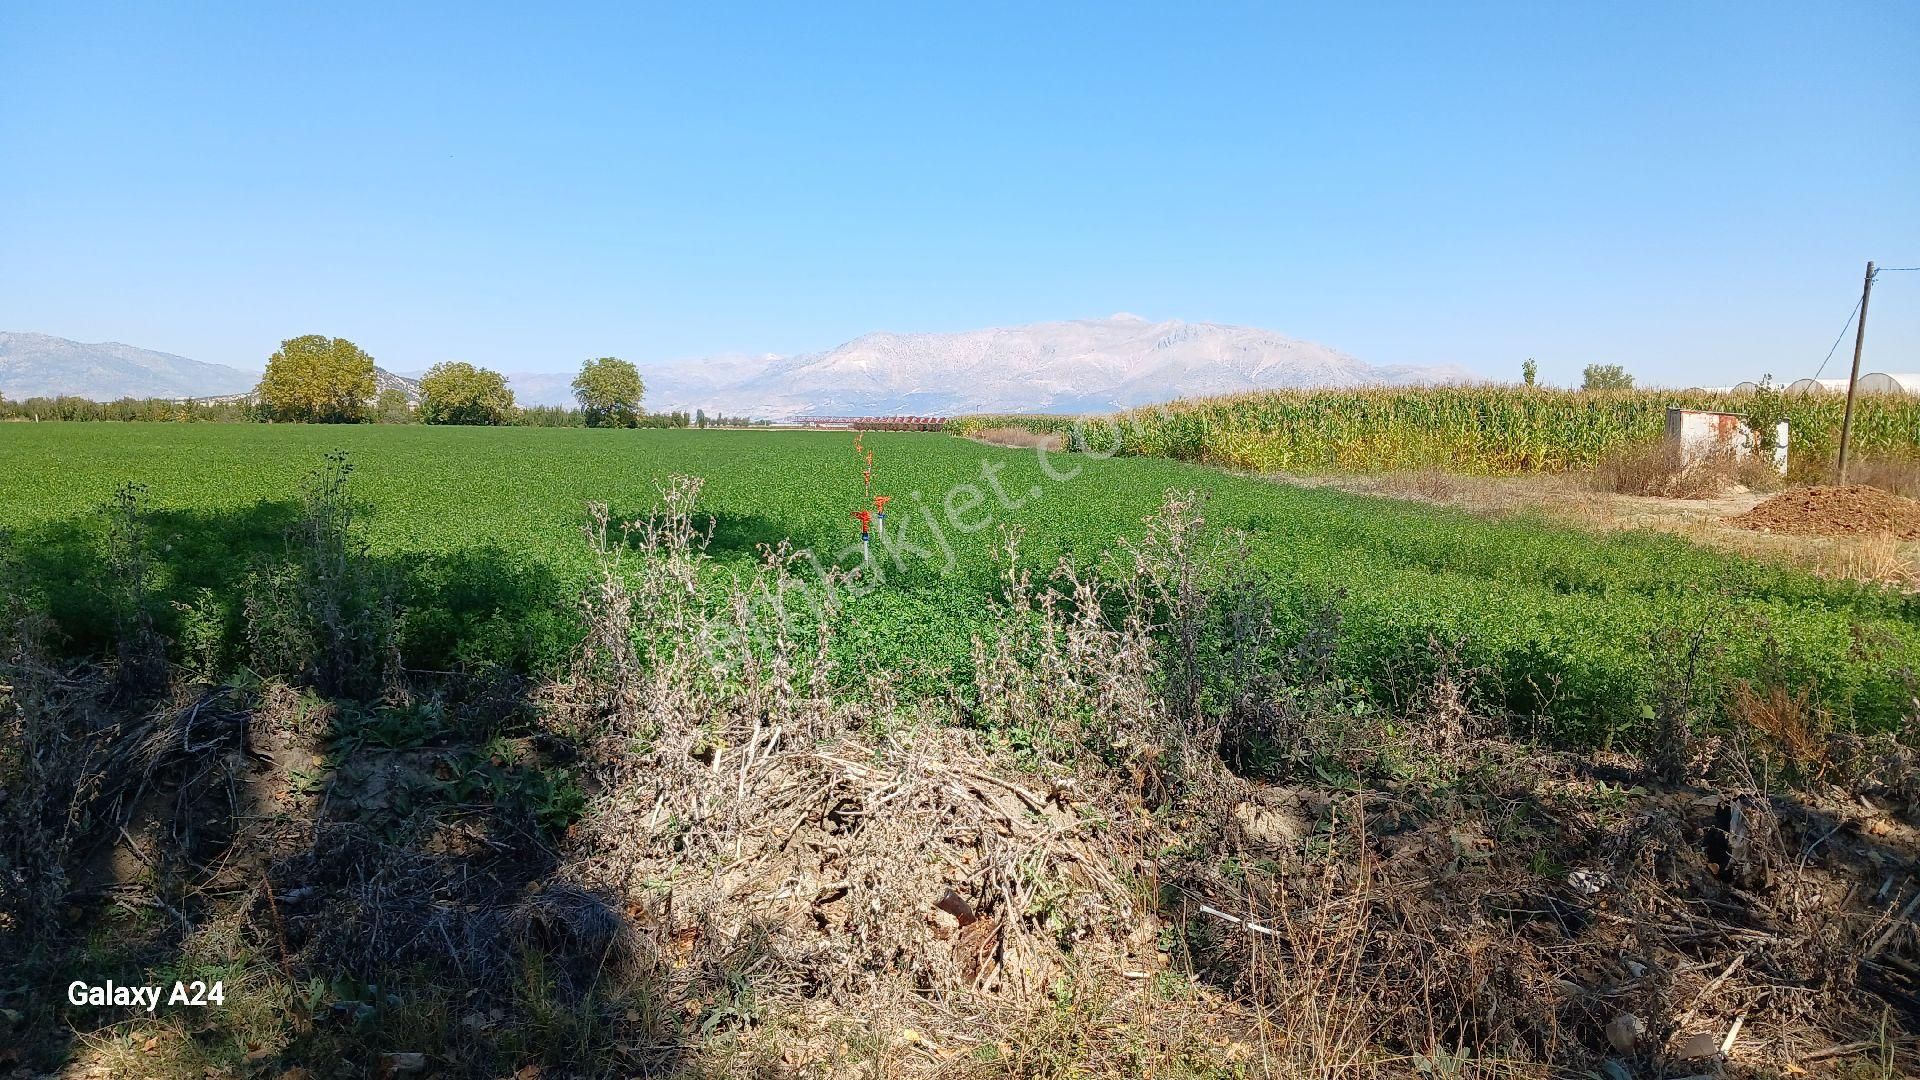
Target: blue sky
<point x="1689" y="190"/>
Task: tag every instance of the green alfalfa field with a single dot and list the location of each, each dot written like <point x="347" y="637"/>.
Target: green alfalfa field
<point x="482" y="529"/>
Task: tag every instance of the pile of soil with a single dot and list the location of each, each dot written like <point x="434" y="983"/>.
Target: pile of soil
<point x="1852" y="510"/>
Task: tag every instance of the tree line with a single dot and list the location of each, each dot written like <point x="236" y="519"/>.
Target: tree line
<point x="315" y="379"/>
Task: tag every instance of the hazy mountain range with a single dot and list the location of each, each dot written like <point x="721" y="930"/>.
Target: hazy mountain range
<point x="1083" y="365"/>
<point x="40" y="365"/>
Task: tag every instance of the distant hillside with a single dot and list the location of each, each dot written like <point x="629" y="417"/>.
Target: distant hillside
<point x="384" y="380"/>
<point x="40" y="365"/>
<point x="1083" y="365"/>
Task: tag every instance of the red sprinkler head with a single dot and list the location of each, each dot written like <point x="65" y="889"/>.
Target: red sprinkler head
<point x="864" y="517"/>
<point x="880" y="503"/>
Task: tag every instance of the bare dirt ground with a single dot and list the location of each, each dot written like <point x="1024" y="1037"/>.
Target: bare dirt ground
<point x="1886" y="557"/>
<point x="1853" y="510"/>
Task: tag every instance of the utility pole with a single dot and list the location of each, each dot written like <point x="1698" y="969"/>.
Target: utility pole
<point x="1853" y="380"/>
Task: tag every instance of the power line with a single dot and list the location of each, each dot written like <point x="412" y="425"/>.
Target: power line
<point x="1838" y="337"/>
<point x="1877" y="271"/>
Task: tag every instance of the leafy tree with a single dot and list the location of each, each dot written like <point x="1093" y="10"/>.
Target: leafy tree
<point x="392" y="407"/>
<point x="1765" y="409"/>
<point x="699" y="418"/>
<point x="1530" y="372"/>
<point x="609" y="390"/>
<point x="317" y="379"/>
<point x="459" y="393"/>
<point x="1605" y="377"/>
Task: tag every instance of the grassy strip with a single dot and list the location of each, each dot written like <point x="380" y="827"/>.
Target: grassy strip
<point x="479" y="531"/>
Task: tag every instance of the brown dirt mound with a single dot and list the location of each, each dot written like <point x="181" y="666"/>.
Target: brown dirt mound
<point x="1835" y="511"/>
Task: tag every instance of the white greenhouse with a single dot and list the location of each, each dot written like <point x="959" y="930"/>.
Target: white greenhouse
<point x="1899" y="382"/>
<point x="1817" y="386"/>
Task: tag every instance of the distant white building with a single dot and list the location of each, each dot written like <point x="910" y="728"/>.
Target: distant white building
<point x="1817" y="386"/>
<point x="1878" y="382"/>
<point x="1881" y="382"/>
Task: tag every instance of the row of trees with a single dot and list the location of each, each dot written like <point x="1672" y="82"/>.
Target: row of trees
<point x="558" y="416"/>
<point x="321" y="380"/>
<point x="79" y="408"/>
<point x="390" y="407"/>
<point x="1595" y="377"/>
<point x="316" y="379"/>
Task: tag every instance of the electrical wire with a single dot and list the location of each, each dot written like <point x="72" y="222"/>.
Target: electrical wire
<point x="1838" y="338"/>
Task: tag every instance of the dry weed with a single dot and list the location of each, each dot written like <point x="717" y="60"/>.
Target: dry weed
<point x="748" y="809"/>
<point x="1065" y="679"/>
<point x="1658" y="472"/>
<point x="328" y="616"/>
<point x="1427" y="485"/>
<point x="1878" y="559"/>
<point x="1901" y="476"/>
<point x="1791" y="725"/>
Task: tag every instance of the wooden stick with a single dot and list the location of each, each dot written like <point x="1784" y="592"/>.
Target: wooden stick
<point x="1685" y="1018"/>
<point x="1840" y="1050"/>
<point x="1887" y="934"/>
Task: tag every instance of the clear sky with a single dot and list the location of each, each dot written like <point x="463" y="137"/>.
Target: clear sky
<point x="1691" y="190"/>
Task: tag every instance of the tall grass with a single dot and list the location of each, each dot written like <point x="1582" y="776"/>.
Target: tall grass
<point x="1478" y="429"/>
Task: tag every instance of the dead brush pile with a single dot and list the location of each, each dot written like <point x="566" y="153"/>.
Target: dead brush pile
<point x="81" y="759"/>
<point x="858" y="851"/>
<point x="1512" y="912"/>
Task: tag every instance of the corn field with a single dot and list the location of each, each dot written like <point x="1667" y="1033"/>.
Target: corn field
<point x="1477" y="429"/>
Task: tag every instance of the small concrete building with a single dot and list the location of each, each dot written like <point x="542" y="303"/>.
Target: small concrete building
<point x="1699" y="435"/>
